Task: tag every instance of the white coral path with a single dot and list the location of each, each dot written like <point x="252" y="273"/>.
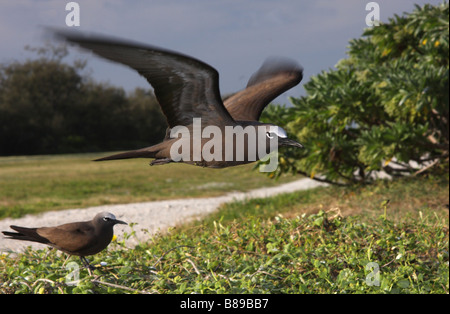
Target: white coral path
<point x="150" y="217"/>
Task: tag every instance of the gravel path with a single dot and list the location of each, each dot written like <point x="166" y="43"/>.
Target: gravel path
<point x="150" y="217"/>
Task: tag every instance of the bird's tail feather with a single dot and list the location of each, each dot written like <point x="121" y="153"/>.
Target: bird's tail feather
<point x="25" y="234"/>
<point x="140" y="153"/>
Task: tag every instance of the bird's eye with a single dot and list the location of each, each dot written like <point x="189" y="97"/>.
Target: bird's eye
<point x="269" y="135"/>
<point x="106" y="218"/>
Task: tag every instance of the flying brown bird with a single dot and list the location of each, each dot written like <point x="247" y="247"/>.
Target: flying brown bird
<point x="187" y="88"/>
<point x="77" y="238"/>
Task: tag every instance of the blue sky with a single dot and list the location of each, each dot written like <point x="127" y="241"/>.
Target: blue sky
<point x="234" y="36"/>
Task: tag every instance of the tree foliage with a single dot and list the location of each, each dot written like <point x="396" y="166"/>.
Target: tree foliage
<point x="47" y="106"/>
<point x="385" y="107"/>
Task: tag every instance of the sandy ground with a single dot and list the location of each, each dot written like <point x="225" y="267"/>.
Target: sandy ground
<point x="150" y="217"/>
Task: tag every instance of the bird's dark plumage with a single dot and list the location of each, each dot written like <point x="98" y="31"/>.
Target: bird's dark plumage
<point x="187" y="88"/>
<point x="25" y="234"/>
<point x="275" y="76"/>
<point x="77" y="238"/>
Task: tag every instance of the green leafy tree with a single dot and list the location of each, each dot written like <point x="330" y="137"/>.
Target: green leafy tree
<point x="385" y="107"/>
<point x="35" y="97"/>
<point x="48" y="106"/>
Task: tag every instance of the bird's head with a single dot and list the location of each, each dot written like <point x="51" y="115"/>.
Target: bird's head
<point x="107" y="219"/>
<point x="274" y="132"/>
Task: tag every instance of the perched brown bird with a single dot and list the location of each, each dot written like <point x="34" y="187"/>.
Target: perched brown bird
<point x="77" y="238"/>
<point x="187" y="88"/>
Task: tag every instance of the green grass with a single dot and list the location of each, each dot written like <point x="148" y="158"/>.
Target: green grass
<point x="44" y="183"/>
<point x="407" y="197"/>
<point x="328" y="240"/>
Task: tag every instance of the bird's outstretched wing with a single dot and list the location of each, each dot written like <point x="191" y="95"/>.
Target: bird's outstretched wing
<point x="185" y="87"/>
<point x="275" y="76"/>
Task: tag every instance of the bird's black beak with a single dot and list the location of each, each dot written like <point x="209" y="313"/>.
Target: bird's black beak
<point x="120" y="222"/>
<point x="288" y="142"/>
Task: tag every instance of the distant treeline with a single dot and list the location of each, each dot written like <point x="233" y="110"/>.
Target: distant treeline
<point x="47" y="107"/>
